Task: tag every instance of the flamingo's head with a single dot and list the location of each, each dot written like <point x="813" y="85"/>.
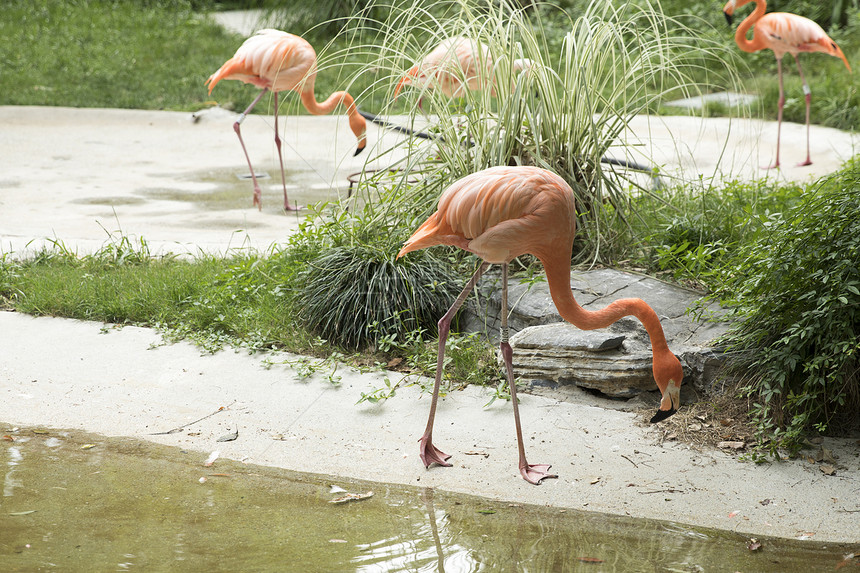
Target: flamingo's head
<point x="668" y="374"/>
<point x="731" y="6"/>
<point x="406" y="79"/>
<point x="358" y="125"/>
<point x="522" y="65"/>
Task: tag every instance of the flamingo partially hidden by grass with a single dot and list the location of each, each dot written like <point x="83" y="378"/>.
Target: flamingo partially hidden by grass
<point x="278" y="61"/>
<point x="499" y="214"/>
<point x="784" y="33"/>
<point x="456" y="65"/>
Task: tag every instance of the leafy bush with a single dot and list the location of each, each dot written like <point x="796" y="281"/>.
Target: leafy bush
<point x="796" y="290"/>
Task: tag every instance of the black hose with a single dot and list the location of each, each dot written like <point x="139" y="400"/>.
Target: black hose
<point x="420" y="134"/>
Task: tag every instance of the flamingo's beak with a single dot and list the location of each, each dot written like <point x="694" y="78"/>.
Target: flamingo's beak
<point x="669" y="404"/>
<point x="729" y="18"/>
<point x="662" y="415"/>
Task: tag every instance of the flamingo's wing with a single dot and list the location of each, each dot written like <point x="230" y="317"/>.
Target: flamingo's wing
<point x="270" y="59"/>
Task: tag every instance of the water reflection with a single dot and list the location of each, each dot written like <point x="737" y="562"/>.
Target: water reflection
<point x="123" y="505"/>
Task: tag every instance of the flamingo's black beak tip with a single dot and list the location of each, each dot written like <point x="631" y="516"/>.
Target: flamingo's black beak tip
<point x="357" y="151"/>
<point x="728" y="17"/>
<point x="662" y="415"/>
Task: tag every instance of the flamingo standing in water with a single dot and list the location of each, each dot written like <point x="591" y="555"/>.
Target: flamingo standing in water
<point x="783" y="33"/>
<point x="499" y="214"/>
<point x="278" y="61"/>
<point x="454" y="66"/>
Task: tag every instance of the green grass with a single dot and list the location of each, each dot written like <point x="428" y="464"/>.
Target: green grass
<point x="157" y="54"/>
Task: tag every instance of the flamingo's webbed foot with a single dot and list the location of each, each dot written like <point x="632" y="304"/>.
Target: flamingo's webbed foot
<point x="535" y="473"/>
<point x="430" y="454"/>
<point x="805" y="163"/>
<point x="258" y="198"/>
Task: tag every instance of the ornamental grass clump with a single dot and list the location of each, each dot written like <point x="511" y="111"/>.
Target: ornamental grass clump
<point x="356" y="294"/>
<point x="796" y="290"/>
<point x="566" y="111"/>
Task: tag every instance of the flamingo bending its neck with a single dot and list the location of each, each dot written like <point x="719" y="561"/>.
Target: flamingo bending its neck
<point x="784" y="33"/>
<point x="499" y="214"/>
<point x="456" y="65"/>
<point x="277" y="61"/>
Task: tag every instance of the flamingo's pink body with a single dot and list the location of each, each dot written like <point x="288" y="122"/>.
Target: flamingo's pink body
<point x="499" y="214"/>
<point x="783" y="33"/>
<point x="278" y="61"/>
<point x="455" y="66"/>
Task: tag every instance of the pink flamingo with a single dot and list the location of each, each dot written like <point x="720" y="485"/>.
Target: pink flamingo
<point x="278" y="61"/>
<point x="783" y="33"/>
<point x="499" y="214"/>
<point x="454" y="66"/>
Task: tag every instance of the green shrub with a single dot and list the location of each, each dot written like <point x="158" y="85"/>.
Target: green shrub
<point x="796" y="290"/>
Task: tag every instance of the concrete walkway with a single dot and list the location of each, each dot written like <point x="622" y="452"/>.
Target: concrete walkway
<point x="75" y="174"/>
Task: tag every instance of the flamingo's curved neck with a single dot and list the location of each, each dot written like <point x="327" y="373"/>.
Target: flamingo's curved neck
<point x="757" y="43"/>
<point x="558" y="278"/>
<point x="321" y="108"/>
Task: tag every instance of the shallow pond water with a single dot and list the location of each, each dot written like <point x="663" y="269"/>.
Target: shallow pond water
<point x="77" y="502"/>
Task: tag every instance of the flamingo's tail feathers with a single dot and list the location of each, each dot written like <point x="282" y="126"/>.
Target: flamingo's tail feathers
<point x="231" y="67"/>
<point x="424" y="236"/>
<point x="406" y="79"/>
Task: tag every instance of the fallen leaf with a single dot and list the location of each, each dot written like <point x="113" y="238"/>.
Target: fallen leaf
<point x="394" y="362"/>
<point x="88" y="446"/>
<point x="211" y="459"/>
<point x="352" y="497"/>
<point x="336" y="489"/>
<point x="485" y="454"/>
<point x="825" y="455"/>
<point x="804" y="535"/>
<point x="590" y="559"/>
<point x="694" y="427"/>
<point x="595" y="480"/>
<point x="731" y="445"/>
<point x="9" y="438"/>
<point x="229" y="437"/>
<point x="753" y="544"/>
<point x="827" y="470"/>
<point x="221" y="475"/>
<point x="734" y="513"/>
<point x="846" y="560"/>
<point x="337" y="541"/>
<point x="765" y="502"/>
<point x="24" y="512"/>
<point x="487" y="511"/>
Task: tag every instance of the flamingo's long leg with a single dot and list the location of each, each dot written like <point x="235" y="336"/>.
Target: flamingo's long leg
<point x="236" y="127"/>
<point x="532" y="473"/>
<point x="780" y="105"/>
<point x="808" y="96"/>
<point x="287" y="206"/>
<point x="428" y="452"/>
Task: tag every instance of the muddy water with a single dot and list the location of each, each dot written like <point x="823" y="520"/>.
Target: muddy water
<point x="218" y="190"/>
<point x="78" y="502"/>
